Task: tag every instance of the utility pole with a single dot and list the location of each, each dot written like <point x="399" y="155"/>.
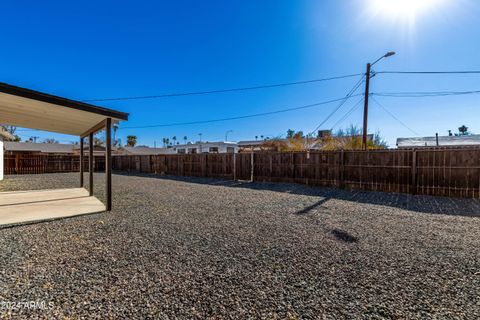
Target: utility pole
<point x="367" y="92"/>
<point x="365" y="107"/>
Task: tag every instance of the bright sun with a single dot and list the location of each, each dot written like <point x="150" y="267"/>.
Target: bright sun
<point x="403" y="9"/>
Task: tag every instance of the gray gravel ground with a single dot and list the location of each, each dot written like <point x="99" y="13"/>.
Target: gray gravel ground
<point x="199" y="248"/>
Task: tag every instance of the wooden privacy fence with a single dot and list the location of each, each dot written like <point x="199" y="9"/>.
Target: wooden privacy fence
<point x="444" y="172"/>
<point x="36" y="164"/>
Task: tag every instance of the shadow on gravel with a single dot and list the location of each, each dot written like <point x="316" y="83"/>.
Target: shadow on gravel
<point x="344" y="236"/>
<point x="418" y="203"/>
<point x="307" y="210"/>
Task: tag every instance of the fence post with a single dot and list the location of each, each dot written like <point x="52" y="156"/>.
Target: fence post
<point x="270" y="171"/>
<point x="234" y="166"/>
<point x="306" y="172"/>
<point x="205" y="165"/>
<point x="17" y="162"/>
<point x="251" y="166"/>
<point x="292" y="165"/>
<point x="165" y="165"/>
<point x="414" y="172"/>
<point x="341" y="170"/>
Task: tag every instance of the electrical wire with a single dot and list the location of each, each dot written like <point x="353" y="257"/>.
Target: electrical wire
<point x="394" y="117"/>
<point x="421" y="94"/>
<point x="26" y="136"/>
<point x="429" y="72"/>
<point x="179" y="94"/>
<point x="237" y="118"/>
<point x="354" y="107"/>
<point x="348" y="96"/>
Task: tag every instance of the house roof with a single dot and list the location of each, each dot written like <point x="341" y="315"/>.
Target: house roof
<point x="146" y="150"/>
<point x="443" y="141"/>
<point x="38" y="147"/>
<point x="251" y="143"/>
<point x="48" y="147"/>
<point x="37" y="110"/>
<point x="205" y="144"/>
<point x="76" y="147"/>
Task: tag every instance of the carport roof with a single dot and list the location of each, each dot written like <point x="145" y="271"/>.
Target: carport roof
<point x="37" y="110"/>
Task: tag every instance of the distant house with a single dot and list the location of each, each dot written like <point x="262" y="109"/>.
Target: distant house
<point x="4" y="135"/>
<point x="51" y="148"/>
<point x="205" y="147"/>
<point x="98" y="151"/>
<point x="143" y="151"/>
<point x="443" y="141"/>
<point x="38" y="148"/>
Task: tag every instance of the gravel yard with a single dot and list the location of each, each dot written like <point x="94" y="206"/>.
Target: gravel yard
<point x="202" y="248"/>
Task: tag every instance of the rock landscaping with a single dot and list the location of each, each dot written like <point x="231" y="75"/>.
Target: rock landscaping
<point x="203" y="248"/>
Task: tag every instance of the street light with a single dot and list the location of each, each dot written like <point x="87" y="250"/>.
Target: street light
<point x="367" y="92"/>
<point x="226" y="135"/>
<point x="386" y="55"/>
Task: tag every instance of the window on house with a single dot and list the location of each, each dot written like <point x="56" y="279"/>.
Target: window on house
<point x="213" y="150"/>
<point x="230" y="150"/>
<point x="192" y="150"/>
<point x="181" y="151"/>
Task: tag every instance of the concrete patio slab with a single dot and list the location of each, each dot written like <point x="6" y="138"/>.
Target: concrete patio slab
<point x="37" y="205"/>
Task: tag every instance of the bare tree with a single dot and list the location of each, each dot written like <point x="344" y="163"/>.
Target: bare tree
<point x="50" y="140"/>
<point x="11" y="130"/>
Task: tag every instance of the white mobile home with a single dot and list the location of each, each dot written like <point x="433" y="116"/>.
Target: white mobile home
<point x="206" y="147"/>
<point x="3" y="136"/>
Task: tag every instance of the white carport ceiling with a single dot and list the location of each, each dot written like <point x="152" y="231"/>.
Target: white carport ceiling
<point x="32" y="109"/>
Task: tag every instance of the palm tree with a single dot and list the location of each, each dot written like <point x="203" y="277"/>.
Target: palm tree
<point x="463" y="130"/>
<point x="115" y="128"/>
<point x="174" y="138"/>
<point x="256" y="138"/>
<point x="131" y="141"/>
<point x="185" y="139"/>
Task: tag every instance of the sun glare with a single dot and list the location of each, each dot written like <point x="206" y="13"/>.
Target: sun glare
<point x="403" y="9"/>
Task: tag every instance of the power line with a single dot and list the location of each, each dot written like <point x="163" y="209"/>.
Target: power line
<point x="348" y="96"/>
<point x="429" y="72"/>
<point x="394" y="117"/>
<point x="180" y="94"/>
<point x="354" y="107"/>
<point x="421" y="94"/>
<point x="40" y="138"/>
<point x="239" y="117"/>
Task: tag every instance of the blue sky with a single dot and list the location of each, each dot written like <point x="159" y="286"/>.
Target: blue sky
<point x="103" y="49"/>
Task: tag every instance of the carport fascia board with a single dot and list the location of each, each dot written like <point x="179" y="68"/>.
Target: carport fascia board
<point x="48" y="98"/>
